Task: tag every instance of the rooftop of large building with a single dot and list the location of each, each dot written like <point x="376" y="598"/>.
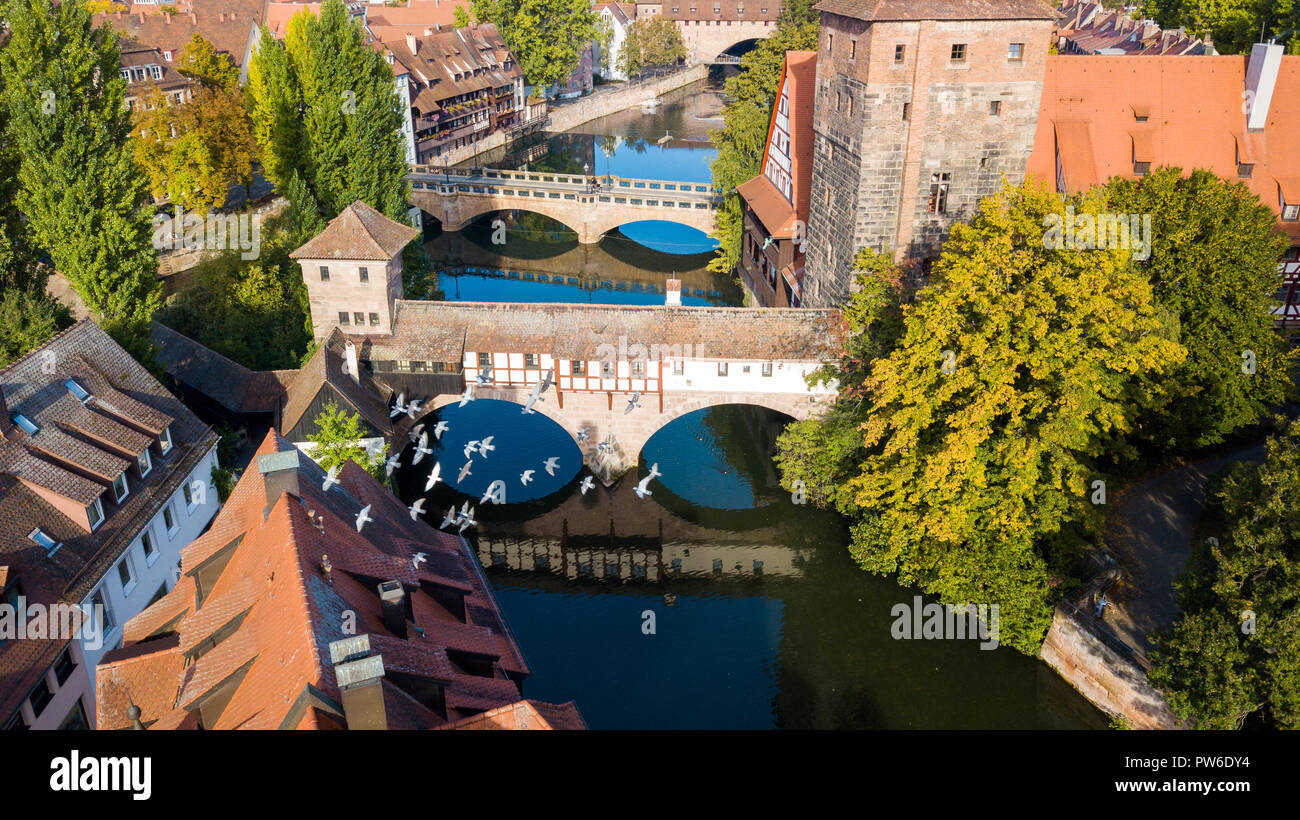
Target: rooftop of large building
<point x="779" y="215"/>
<point x="228" y="24"/>
<point x="76" y="415"/>
<point x="453" y="62"/>
<point x="1088" y="27"/>
<point x="907" y="10"/>
<point x="360" y="232"/>
<point x="244" y="639"/>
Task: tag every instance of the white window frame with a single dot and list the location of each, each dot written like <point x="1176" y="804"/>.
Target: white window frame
<point x="165" y="439"/>
<point x="188" y="495"/>
<point x="722" y="370"/>
<point x="767" y="369"/>
<point x="126" y="488"/>
<point x="108" y="621"/>
<point x="98" y="506"/>
<point x="175" y="525"/>
<point x="41" y="537"/>
<point x="129" y="585"/>
<point x="146" y="541"/>
<point x="144" y="462"/>
<point x="1290" y="211"/>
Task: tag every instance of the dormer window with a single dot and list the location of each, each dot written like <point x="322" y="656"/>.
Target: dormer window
<point x="155" y="71"/>
<point x="145" y="463"/>
<point x="120" y="489"/>
<point x="1245" y="169"/>
<point x="77" y="390"/>
<point x="42" y="539"/>
<point x="95" y="513"/>
<point x="29" y="427"/>
<point x="1290" y="213"/>
<point x="165" y="440"/>
<point x="167" y="55"/>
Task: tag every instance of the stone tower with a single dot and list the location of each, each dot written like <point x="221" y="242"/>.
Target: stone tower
<point x="353" y="271"/>
<point x="922" y="109"/>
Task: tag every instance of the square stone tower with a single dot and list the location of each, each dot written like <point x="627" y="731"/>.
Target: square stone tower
<point x="353" y="271"/>
<point x="922" y="109"/>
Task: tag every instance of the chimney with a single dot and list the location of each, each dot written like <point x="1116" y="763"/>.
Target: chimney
<point x="674" y="292"/>
<point x="412" y="44"/>
<point x="142" y="18"/>
<point x="350" y="361"/>
<point x="360" y="678"/>
<point x="280" y="475"/>
<point x="167" y="19"/>
<point x="6" y="423"/>
<point x="392" y="601"/>
<point x="221" y="17"/>
<point x="1261" y="79"/>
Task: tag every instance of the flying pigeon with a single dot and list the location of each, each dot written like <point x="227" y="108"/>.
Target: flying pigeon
<point x="471" y="447"/>
<point x="467" y="521"/>
<point x="551" y="464"/>
<point x="419" y="558"/>
<point x="582" y="434"/>
<point x="633" y="403"/>
<point x="586" y="484"/>
<point x="526" y="476"/>
<point x="399" y="406"/>
<point x="465" y="510"/>
<point x="421" y="449"/>
<point x="440" y="428"/>
<point x="392" y="463"/>
<point x="363" y="517"/>
<point x="414" y="434"/>
<point x="485" y="445"/>
<point x="413" y="408"/>
<point x="464" y="471"/>
<point x="485" y="376"/>
<point x="548" y="381"/>
<point x="642" y="488"/>
<point x="449" y="518"/>
<point x="434" y="477"/>
<point x="468" y="395"/>
<point x="528" y="405"/>
<point x="417" y="509"/>
<point x="331" y="478"/>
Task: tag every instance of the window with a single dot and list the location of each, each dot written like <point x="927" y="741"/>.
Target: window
<point x="995" y="108"/>
<point x="853" y="49"/>
<point x="144" y="462"/>
<point x="484" y="360"/>
<point x="64" y="666"/>
<point x="119" y="488"/>
<point x="579" y="368"/>
<point x="165" y="439"/>
<point x="28" y="426"/>
<point x="850" y="111"/>
<point x="95" y="513"/>
<point x="722" y="368"/>
<point x="607" y="370"/>
<point x="324" y="273"/>
<point x="359" y="318"/>
<point x="679" y="367"/>
<point x="343" y="317"/>
<point x="530" y="360"/>
<point x="76" y="720"/>
<point x="717" y="566"/>
<point x="374" y="320"/>
<point x="155" y="71"/>
<point x="365" y="274"/>
<point x="126" y="574"/>
<point x="99" y="603"/>
<point x="41" y="697"/>
<point x="1290" y="213"/>
<point x="900" y="53"/>
<point x="1245" y="169"/>
<point x="938" y="203"/>
<point x="767" y="368"/>
<point x="958" y="52"/>
<point x="1015" y="51"/>
<point x="40" y="537"/>
<point x="839" y="101"/>
<point x="169" y="519"/>
<point x="830" y="43"/>
<point x="638" y="369"/>
<point x="77" y="390"/>
<point x="189" y="496"/>
<point x="148" y="546"/>
<point x="1141" y="169"/>
<point x="907" y="112"/>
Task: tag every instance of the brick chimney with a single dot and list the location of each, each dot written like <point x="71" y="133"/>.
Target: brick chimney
<point x="350" y="364"/>
<point x="279" y="475"/>
<point x="1261" y="79"/>
<point x="360" y="677"/>
<point x="412" y="44"/>
<point x="392" y="604"/>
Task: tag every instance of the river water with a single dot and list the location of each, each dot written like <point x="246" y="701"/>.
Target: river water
<point x="715" y="602"/>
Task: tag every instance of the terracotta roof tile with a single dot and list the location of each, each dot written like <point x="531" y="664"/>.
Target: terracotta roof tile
<point x="939" y="9"/>
<point x="359" y="232"/>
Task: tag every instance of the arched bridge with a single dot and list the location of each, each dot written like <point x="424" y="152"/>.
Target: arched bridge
<point x="457" y="196"/>
<point x="620" y="372"/>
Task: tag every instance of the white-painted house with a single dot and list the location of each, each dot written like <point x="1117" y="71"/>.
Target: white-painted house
<point x="618" y="18"/>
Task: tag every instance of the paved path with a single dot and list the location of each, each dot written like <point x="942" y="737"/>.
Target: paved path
<point x="1149" y="531"/>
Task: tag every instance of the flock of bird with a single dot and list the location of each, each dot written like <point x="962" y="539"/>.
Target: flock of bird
<point x="463" y="518"/>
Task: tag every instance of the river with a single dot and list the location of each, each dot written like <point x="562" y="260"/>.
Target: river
<point x="716" y="602"/>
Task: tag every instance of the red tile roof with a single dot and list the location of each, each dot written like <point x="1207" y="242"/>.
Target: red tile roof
<point x="779" y="215"/>
<point x="359" y="232"/>
<point x="1089" y="115"/>
<point x="939" y="9"/>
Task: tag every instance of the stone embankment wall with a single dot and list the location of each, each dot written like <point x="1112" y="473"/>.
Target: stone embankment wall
<point x="605" y="100"/>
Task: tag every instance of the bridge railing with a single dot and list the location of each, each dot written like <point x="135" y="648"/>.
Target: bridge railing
<point x="555" y="185"/>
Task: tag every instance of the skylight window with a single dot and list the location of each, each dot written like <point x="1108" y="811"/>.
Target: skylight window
<point x="27" y="424"/>
<point x="78" y="391"/>
<point x="40" y="537"/>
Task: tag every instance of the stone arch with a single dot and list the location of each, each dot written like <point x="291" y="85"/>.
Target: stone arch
<point x="476" y="207"/>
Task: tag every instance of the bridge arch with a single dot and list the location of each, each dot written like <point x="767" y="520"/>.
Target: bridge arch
<point x="482" y="206"/>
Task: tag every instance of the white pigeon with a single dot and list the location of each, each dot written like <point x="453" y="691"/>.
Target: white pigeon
<point x="464" y="471"/>
<point x="528" y="405"/>
<point x="392" y="463"/>
<point x="526" y="476"/>
<point x="485" y="445"/>
<point x="331" y="478"/>
<point x="548" y="381"/>
<point x="417" y="509"/>
<point x="413" y="408"/>
<point x="465" y="510"/>
<point x="633" y="403"/>
<point x="415" y="431"/>
<point x="485" y="376"/>
<point x="449" y="518"/>
<point x="421" y="449"/>
<point x="642" y="488"/>
<point x="419" y="558"/>
<point x="551" y="463"/>
<point x="471" y="447"/>
<point x="586" y="484"/>
<point x="434" y="477"/>
<point x="582" y="434"/>
<point x="468" y="395"/>
<point x="467" y="521"/>
<point x="399" y="406"/>
<point x="363" y="517"/>
<point x="440" y="428"/>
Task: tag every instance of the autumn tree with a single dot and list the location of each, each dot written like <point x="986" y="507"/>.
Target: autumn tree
<point x="200" y="61"/>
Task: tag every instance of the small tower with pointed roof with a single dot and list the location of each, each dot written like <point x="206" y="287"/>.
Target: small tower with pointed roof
<point x="353" y="271"/>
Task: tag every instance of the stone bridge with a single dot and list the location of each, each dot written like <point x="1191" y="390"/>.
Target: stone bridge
<point x="457" y="196"/>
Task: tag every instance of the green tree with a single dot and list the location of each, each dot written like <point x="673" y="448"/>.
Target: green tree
<point x="201" y="61"/>
<point x="28" y="318"/>
<point x="653" y="41"/>
<point x="744" y="132"/>
<point x="461" y="18"/>
<point x="1213" y="264"/>
<point x="1233" y="656"/>
<point x="1234" y="25"/>
<point x="547" y="36"/>
<point x="324" y="107"/>
<point x="84" y="200"/>
<point x="338" y="440"/>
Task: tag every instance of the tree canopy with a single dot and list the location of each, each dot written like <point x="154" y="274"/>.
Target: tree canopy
<point x="653" y="41"/>
<point x="338" y="440"/>
<point x="548" y="37"/>
<point x="1234" y="25"/>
